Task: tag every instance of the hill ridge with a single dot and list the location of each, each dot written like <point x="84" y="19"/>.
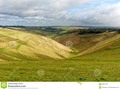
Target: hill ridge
<point x="100" y="45"/>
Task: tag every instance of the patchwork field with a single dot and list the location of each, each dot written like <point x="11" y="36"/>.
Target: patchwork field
<point x="65" y="55"/>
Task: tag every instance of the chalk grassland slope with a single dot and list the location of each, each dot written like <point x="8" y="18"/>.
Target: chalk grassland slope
<point x="107" y="50"/>
<point x="97" y="57"/>
<point x="105" y="60"/>
<point x="21" y="45"/>
<point x="85" y="41"/>
<point x="100" y="65"/>
<point x="101" y="44"/>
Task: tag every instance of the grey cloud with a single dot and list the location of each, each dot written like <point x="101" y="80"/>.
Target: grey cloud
<point x="102" y="15"/>
<point x="57" y="12"/>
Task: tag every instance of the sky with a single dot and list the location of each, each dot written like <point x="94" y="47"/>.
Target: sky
<point x="60" y="12"/>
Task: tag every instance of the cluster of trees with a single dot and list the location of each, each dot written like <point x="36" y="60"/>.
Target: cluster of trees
<point x="97" y="30"/>
<point x="92" y="31"/>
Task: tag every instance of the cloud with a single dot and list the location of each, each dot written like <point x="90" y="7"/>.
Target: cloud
<point x="102" y="15"/>
<point x="59" y="12"/>
<point x="63" y="4"/>
<point x="34" y="7"/>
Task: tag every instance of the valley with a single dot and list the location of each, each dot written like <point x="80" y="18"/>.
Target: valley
<point x="59" y="54"/>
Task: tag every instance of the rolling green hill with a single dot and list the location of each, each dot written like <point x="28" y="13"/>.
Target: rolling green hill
<point x="23" y="45"/>
<point x="28" y="56"/>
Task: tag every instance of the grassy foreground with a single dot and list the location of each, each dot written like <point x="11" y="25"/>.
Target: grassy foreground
<point x="83" y="69"/>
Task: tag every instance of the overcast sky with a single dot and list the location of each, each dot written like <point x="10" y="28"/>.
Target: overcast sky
<point x="60" y="12"/>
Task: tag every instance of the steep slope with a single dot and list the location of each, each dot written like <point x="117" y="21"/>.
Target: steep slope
<point x="84" y="42"/>
<point x="22" y="45"/>
<point x="101" y="44"/>
<point x="88" y="43"/>
<point x="105" y="51"/>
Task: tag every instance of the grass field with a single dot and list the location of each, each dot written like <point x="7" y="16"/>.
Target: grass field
<point x="91" y="58"/>
<point x="64" y="70"/>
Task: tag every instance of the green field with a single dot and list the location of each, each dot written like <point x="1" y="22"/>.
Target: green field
<point x="27" y="56"/>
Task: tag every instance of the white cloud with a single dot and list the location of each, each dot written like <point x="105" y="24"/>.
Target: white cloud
<point x="108" y="15"/>
<point x="63" y="4"/>
<point x="61" y="12"/>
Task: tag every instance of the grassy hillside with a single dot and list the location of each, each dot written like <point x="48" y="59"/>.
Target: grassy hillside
<point x="28" y="56"/>
<point x="106" y="59"/>
<point x="85" y="41"/>
<point x="21" y="45"/>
